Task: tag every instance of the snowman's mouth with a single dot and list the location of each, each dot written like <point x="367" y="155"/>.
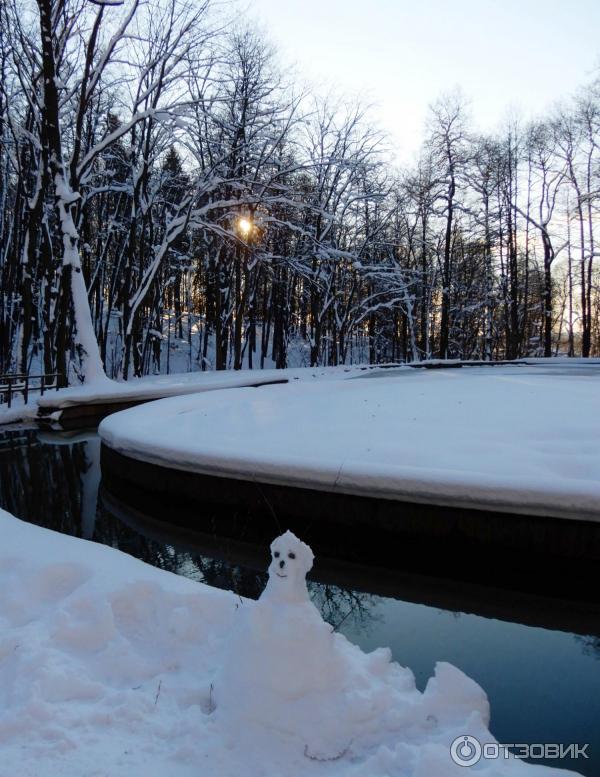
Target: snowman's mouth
<point x="278" y="575"/>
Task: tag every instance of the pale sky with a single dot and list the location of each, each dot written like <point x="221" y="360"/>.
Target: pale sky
<point x="401" y="54"/>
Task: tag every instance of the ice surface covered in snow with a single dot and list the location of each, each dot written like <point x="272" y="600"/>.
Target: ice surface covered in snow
<point x="111" y="668"/>
<point x="523" y="439"/>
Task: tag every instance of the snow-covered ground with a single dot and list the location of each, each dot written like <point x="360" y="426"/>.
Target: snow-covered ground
<point x="109" y="667"/>
<point x="524" y="439"/>
<point x="156" y="386"/>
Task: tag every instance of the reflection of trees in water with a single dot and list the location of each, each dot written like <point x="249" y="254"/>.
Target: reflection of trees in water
<point x="590" y="645"/>
<point x="43" y="483"/>
<point x="344" y="607"/>
<point x="241" y="580"/>
<point x="216" y="572"/>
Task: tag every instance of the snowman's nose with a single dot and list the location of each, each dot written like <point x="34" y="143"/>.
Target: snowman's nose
<point x="281" y="564"/>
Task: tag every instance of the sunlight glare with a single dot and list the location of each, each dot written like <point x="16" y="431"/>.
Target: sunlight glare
<point x="245" y="226"/>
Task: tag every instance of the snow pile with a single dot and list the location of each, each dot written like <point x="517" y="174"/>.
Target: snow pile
<point x="105" y="662"/>
<point x="523" y="439"/>
<point x="111" y="667"/>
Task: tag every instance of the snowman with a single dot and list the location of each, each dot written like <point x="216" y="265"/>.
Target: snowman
<point x="287" y="675"/>
<point x="280" y="649"/>
<point x="286" y="671"/>
<point x="288" y="678"/>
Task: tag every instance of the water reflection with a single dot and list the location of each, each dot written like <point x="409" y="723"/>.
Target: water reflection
<point x="590" y="645"/>
<point x="217" y="572"/>
<point x="544" y="686"/>
<point x="51" y="480"/>
<point x="345" y="609"/>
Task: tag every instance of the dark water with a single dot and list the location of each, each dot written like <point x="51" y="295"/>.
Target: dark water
<point x="543" y="684"/>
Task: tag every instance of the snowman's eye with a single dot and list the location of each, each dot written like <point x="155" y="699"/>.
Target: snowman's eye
<point x="291" y="555"/>
<point x="276" y="554"/>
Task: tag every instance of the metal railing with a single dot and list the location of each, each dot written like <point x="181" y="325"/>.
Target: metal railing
<point x="11" y="385"/>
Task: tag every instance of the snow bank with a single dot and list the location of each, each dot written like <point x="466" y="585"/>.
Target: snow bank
<point x="105" y="391"/>
<point x="158" y="386"/>
<point x="17" y="412"/>
<point x="522" y="439"/>
<point x="112" y="667"/>
<point x="104" y="661"/>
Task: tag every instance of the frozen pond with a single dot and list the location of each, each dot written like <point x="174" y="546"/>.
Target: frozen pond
<point x="544" y="685"/>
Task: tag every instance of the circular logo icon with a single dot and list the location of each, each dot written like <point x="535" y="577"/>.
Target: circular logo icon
<point x="465" y="751"/>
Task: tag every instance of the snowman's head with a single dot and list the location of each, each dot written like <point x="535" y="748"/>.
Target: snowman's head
<point x="291" y="559"/>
